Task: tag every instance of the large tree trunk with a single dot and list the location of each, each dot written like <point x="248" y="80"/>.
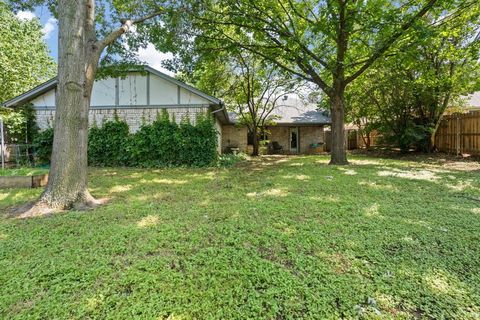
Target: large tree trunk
<point x="67" y="184"/>
<point x="338" y="153"/>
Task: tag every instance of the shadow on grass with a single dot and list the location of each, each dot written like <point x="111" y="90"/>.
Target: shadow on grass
<point x="294" y="239"/>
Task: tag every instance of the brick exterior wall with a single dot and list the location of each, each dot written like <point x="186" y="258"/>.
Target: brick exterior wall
<point x="233" y="136"/>
<point x="133" y="116"/>
<point x="307" y="136"/>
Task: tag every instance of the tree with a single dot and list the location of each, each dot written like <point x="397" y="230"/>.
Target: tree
<point x="405" y="96"/>
<point x="83" y="34"/>
<point x="329" y="43"/>
<point x="250" y="86"/>
<point x="24" y="58"/>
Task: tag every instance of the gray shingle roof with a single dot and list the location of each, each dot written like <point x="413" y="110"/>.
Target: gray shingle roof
<point x="473" y="100"/>
<point x="295" y="111"/>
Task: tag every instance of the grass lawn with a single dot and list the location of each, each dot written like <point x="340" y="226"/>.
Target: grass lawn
<point x="22" y="171"/>
<point x="279" y="238"/>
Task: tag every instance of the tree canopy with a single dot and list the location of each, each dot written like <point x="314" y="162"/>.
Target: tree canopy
<point x="404" y="96"/>
<point x="329" y="43"/>
<point x="24" y="57"/>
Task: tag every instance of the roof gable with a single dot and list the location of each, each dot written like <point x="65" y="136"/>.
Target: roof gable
<point x="52" y="83"/>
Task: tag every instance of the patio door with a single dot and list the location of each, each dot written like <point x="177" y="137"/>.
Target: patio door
<point x="294" y="140"/>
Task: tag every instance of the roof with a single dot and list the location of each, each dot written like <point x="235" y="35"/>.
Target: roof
<point x="296" y="111"/>
<point x="52" y="83"/>
<point x="31" y="94"/>
<point x="473" y="100"/>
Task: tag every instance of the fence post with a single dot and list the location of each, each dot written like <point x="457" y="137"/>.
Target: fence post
<point x="457" y="143"/>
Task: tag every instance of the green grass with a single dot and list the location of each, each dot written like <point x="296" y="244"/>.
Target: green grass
<point x="287" y="238"/>
<point x="22" y="171"/>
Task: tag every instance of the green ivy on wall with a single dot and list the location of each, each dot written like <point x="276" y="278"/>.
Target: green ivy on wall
<point x="163" y="143"/>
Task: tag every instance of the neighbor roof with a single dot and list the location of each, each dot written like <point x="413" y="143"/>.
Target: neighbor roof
<point x="473" y="100"/>
<point x="296" y="111"/>
<point x="52" y="83"/>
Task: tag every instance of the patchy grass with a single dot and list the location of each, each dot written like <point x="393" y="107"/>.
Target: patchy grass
<point x="277" y="238"/>
<point x="22" y="171"/>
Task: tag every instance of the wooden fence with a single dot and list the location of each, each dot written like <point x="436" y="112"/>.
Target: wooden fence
<point x="459" y="134"/>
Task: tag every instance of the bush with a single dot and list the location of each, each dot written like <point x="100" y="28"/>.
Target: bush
<point x="157" y="144"/>
<point x="199" y="141"/>
<point x="162" y="143"/>
<point x="43" y="143"/>
<point x="109" y="144"/>
<point x="20" y="125"/>
<point x="229" y="160"/>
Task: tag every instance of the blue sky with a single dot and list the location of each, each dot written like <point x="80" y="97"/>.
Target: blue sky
<point x="148" y="55"/>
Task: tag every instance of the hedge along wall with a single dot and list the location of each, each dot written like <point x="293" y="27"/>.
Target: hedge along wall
<point x="163" y="143"/>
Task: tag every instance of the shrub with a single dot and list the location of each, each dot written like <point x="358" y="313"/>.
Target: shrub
<point x="199" y="141"/>
<point x="229" y="160"/>
<point x="108" y="145"/>
<point x="43" y="143"/>
<point x="162" y="143"/>
<point x="157" y="144"/>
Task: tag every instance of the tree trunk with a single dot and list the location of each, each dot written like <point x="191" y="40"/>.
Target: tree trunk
<point x="338" y="153"/>
<point x="67" y="184"/>
<point x="368" y="141"/>
<point x="255" y="142"/>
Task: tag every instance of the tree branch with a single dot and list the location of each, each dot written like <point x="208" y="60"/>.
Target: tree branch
<point x="124" y="28"/>
<point x="380" y="51"/>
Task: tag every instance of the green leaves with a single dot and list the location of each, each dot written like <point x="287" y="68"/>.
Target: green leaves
<point x="162" y="143"/>
<point x="24" y="59"/>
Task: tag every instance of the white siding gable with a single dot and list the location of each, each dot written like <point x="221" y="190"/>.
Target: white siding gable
<point x="103" y="93"/>
<point x="45" y="100"/>
<point x="187" y="97"/>
<point x="133" y="90"/>
<point x="162" y="92"/>
<point x="136" y="90"/>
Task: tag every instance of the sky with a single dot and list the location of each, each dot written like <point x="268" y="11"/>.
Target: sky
<point x="148" y="55"/>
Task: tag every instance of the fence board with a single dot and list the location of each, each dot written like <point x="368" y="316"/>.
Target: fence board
<point x="459" y="133"/>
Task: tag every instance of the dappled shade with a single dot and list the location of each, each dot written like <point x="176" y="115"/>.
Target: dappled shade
<point x="295" y="238"/>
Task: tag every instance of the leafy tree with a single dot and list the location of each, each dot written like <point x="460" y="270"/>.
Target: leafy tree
<point x="405" y="96"/>
<point x="84" y="34"/>
<point x="251" y="86"/>
<point x="329" y="43"/>
<point x="24" y="58"/>
<point x="20" y="124"/>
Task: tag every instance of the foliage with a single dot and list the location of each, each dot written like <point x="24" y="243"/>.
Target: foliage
<point x="230" y="159"/>
<point x="108" y="145"/>
<point x="270" y="239"/>
<point x="24" y="58"/>
<point x="405" y="96"/>
<point x="26" y="171"/>
<point x="250" y="86"/>
<point x="157" y="144"/>
<point x="20" y="124"/>
<point x="162" y="143"/>
<point x="327" y="43"/>
<point x="43" y="143"/>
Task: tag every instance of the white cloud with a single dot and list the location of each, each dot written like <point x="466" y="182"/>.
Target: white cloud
<point x="25" y="15"/>
<point x="49" y="27"/>
<point x="154" y="58"/>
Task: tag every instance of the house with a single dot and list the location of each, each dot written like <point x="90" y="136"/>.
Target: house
<point x="138" y="97"/>
<point x="472" y="101"/>
<point x="298" y="129"/>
